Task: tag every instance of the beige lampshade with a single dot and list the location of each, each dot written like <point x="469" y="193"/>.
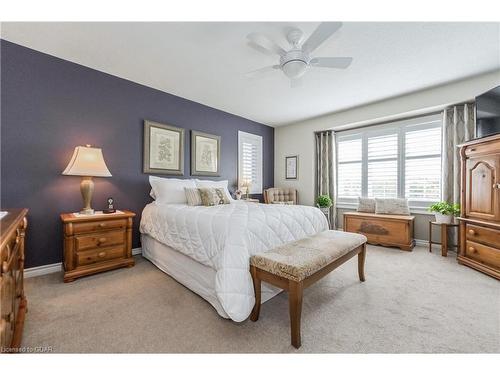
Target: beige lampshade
<point x="87" y="161"/>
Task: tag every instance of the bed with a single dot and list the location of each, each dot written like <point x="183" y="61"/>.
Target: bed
<point x="207" y="249"/>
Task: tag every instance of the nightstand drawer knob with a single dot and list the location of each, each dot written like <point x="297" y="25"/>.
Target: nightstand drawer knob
<point x="102" y="254"/>
<point x="10" y="318"/>
<point x="102" y="225"/>
<point x="472" y="249"/>
<point x="101" y="240"/>
<point x="472" y="232"/>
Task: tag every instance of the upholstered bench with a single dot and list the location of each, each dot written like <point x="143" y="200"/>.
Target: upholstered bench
<point x="297" y="265"/>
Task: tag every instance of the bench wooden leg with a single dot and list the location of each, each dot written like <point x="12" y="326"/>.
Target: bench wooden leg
<point x="361" y="263"/>
<point x="295" y="304"/>
<point x="254" y="316"/>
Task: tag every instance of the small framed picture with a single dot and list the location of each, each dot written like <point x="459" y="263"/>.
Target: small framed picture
<point x="291" y="167"/>
<point x="205" y="154"/>
<point x="163" y="149"/>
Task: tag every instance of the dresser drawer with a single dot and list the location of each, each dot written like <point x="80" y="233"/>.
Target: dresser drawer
<point x="483" y="235"/>
<point x="98" y="226"/>
<point x="482" y="253"/>
<point x="102" y="239"/>
<point x="84" y="258"/>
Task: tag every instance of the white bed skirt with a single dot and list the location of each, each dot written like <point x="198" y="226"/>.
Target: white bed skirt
<point x="193" y="275"/>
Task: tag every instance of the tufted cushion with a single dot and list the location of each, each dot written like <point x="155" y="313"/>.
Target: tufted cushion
<point x="300" y="259"/>
<point x="273" y="195"/>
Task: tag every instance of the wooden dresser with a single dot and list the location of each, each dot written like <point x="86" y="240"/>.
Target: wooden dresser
<point x="381" y="229"/>
<point x="13" y="304"/>
<point x="96" y="243"/>
<point x="480" y="205"/>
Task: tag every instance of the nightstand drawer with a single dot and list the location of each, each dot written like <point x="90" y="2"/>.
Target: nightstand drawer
<point x="98" y="226"/>
<point x="482" y="253"/>
<point x="84" y="258"/>
<point x="101" y="239"/>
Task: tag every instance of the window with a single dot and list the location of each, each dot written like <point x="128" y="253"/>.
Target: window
<point x="383" y="166"/>
<point x="250" y="161"/>
<point x="349" y="167"/>
<point x="398" y="159"/>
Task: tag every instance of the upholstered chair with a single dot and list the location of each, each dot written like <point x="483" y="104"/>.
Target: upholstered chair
<point x="281" y="195"/>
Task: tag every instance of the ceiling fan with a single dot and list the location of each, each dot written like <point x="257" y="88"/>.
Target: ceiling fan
<point x="296" y="60"/>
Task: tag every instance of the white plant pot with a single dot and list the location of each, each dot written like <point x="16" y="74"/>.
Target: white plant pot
<point x="326" y="210"/>
<point x="443" y="219"/>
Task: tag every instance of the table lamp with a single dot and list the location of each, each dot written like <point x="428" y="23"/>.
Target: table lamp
<point x="247" y="183"/>
<point x="87" y="162"/>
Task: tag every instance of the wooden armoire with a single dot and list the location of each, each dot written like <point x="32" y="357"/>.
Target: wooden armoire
<point x="480" y="205"/>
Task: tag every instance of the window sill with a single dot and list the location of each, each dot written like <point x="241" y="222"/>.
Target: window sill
<point x="413" y="210"/>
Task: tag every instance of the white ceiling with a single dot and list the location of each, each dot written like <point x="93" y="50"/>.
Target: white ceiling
<point x="206" y="62"/>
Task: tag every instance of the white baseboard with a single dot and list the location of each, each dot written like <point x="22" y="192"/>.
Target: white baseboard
<point x="43" y="270"/>
<point x="57" y="267"/>
<point x="137" y="251"/>
<point x="421" y="242"/>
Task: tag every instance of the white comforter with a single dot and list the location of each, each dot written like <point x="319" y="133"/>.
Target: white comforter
<point x="224" y="237"/>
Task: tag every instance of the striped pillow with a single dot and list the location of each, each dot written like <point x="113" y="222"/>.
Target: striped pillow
<point x="193" y="196"/>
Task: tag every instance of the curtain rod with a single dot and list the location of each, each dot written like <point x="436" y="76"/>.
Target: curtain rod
<point x="395" y="120"/>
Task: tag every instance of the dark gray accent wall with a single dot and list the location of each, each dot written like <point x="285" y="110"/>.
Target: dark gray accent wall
<point x="50" y="105"/>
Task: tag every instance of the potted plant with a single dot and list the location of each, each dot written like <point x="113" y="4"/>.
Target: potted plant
<point x="445" y="211"/>
<point x="324" y="202"/>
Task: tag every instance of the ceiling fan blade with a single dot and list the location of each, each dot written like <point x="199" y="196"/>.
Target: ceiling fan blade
<point x="264" y="44"/>
<point x="322" y="33"/>
<point x="295" y="82"/>
<point x="331" y="62"/>
<point x="261" y="71"/>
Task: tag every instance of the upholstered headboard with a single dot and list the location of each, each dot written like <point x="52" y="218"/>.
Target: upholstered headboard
<point x="281" y="195"/>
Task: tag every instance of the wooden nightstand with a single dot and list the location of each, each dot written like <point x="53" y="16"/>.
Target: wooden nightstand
<point x="96" y="243"/>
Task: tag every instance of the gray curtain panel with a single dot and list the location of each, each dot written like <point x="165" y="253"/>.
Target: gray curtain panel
<point x="325" y="168"/>
<point x="458" y="127"/>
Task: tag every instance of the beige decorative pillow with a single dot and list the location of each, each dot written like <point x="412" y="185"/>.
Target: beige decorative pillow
<point x="394" y="206"/>
<point x="366" y="204"/>
<point x="213" y="196"/>
<point x="193" y="196"/>
<point x="282" y="202"/>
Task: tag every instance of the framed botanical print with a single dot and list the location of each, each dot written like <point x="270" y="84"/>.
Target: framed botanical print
<point x="163" y="149"/>
<point x="205" y="154"/>
<point x="291" y="167"/>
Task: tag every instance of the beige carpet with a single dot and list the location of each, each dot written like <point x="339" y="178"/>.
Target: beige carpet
<point x="410" y="302"/>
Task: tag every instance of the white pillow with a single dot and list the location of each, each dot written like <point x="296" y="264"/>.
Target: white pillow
<point x="170" y="190"/>
<point x="366" y="204"/>
<point x="394" y="206"/>
<point x="214" y="184"/>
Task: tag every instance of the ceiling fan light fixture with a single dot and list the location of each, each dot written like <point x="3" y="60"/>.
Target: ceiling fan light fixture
<point x="294" y="68"/>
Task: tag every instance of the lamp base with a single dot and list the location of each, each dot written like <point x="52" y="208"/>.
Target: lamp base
<point x="87" y="188"/>
<point x="89" y="211"/>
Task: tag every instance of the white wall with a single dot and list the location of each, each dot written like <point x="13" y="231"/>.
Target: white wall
<point x="298" y="139"/>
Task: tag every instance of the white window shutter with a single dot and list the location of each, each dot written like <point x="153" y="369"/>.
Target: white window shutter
<point x="349" y="168"/>
<point x="250" y="161"/>
<point x="383" y="166"/>
<point x="397" y="159"/>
